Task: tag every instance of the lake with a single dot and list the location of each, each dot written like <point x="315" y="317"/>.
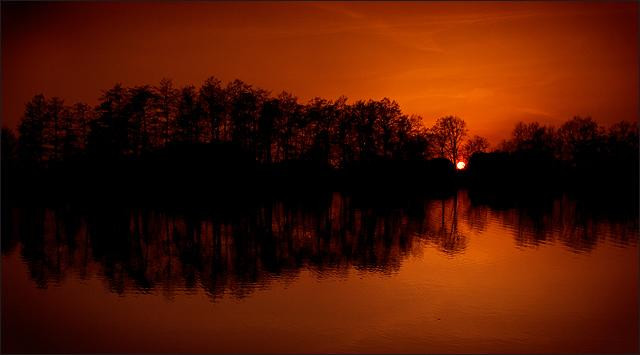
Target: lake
<point x="337" y="273"/>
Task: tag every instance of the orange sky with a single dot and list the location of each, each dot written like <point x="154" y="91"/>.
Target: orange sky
<point x="491" y="63"/>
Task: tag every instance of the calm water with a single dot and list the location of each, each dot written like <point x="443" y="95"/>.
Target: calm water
<point x="459" y="274"/>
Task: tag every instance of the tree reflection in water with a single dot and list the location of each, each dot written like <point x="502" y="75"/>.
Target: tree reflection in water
<point x="235" y="250"/>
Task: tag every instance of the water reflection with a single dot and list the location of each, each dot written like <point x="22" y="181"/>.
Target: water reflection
<point x="577" y="223"/>
<point x="237" y="250"/>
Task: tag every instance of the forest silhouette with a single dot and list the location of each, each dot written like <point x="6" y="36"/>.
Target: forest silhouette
<point x="163" y="140"/>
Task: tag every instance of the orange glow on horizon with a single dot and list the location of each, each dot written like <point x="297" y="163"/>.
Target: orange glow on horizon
<point x="491" y="63"/>
<point x="461" y="165"/>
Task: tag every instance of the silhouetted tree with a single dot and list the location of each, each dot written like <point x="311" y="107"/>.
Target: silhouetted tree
<point x="362" y="129"/>
<point x="109" y="137"/>
<point x="245" y="109"/>
<point x="448" y="133"/>
<point x="287" y="113"/>
<point x="338" y="110"/>
<point x="388" y="115"/>
<point x="266" y="129"/>
<point x="83" y="115"/>
<point x="54" y="132"/>
<point x="580" y="138"/>
<point x="69" y="137"/>
<point x="212" y="100"/>
<point x="622" y="139"/>
<point x="328" y="118"/>
<point x="321" y="120"/>
<point x="166" y="105"/>
<point x="141" y="119"/>
<point x="31" y="130"/>
<point x="532" y="137"/>
<point x="412" y="138"/>
<point x="475" y="144"/>
<point x="189" y="114"/>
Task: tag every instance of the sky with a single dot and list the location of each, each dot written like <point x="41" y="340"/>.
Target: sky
<point x="491" y="63"/>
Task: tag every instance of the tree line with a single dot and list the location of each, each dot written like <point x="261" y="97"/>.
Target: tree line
<point x="130" y="122"/>
<point x="576" y="140"/>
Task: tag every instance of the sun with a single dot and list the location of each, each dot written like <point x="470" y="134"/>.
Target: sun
<point x="460" y="165"/>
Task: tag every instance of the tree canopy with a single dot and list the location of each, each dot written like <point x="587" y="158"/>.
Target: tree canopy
<point x="130" y="122"/>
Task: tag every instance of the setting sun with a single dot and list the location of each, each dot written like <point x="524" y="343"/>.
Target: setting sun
<point x="460" y="165"/>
